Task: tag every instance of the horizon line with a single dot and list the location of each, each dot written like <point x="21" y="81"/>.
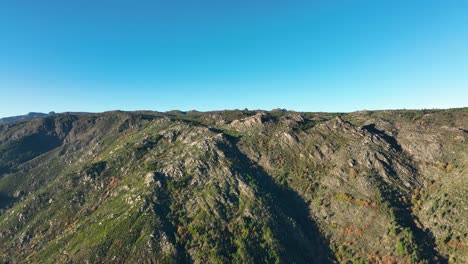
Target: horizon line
<point x="237" y="109"/>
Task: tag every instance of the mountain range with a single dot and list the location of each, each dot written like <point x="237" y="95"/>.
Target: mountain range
<point x="235" y="186"/>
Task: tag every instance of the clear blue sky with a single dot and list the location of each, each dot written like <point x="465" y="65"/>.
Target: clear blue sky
<point x="214" y="54"/>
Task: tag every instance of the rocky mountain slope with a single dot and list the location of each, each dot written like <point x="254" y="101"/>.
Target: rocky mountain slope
<point x="235" y="186"/>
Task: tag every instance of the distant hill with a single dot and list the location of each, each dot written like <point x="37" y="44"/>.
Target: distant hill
<point x="235" y="187"/>
<point x="33" y="115"/>
<point x="23" y="117"/>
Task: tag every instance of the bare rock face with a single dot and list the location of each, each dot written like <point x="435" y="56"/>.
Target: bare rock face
<point x="235" y="186"/>
<point x="149" y="178"/>
<point x="248" y="122"/>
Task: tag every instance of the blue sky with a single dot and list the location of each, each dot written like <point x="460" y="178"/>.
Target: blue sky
<point x="207" y="55"/>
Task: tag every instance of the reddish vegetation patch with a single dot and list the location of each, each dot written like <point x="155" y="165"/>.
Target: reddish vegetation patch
<point x="113" y="183"/>
<point x="349" y="198"/>
<point x="455" y="243"/>
<point x="393" y="260"/>
<point x="354" y="231"/>
<point x="366" y="203"/>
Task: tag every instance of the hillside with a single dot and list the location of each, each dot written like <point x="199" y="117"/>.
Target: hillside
<point x="235" y="186"/>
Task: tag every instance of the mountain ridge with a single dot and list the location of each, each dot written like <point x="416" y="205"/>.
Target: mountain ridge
<point x="28" y="116"/>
